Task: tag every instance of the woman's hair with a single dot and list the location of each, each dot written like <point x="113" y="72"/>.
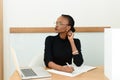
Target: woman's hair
<point x="70" y="20"/>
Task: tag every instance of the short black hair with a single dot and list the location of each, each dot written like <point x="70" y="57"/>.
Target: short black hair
<point x="70" y="20"/>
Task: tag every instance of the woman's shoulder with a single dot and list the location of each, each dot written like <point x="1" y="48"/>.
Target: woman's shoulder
<point x="76" y="40"/>
<point x="50" y="37"/>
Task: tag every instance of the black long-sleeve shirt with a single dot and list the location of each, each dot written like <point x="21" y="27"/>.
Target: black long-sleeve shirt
<point x="59" y="51"/>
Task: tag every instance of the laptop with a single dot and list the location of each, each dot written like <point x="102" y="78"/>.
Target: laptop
<point x="29" y="72"/>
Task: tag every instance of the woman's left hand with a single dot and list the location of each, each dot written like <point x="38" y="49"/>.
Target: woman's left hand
<point x="70" y="35"/>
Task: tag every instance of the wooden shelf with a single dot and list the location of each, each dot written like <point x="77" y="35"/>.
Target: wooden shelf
<point x="51" y="29"/>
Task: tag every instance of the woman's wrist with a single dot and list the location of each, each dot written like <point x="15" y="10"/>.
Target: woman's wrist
<point x="71" y="40"/>
<point x="75" y="52"/>
<point x="62" y="68"/>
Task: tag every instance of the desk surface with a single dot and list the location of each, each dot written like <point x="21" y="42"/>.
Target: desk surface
<point x="96" y="74"/>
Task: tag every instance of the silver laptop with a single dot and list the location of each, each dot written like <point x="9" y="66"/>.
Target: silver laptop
<point x="29" y="73"/>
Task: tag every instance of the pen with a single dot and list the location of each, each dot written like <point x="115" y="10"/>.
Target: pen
<point x="68" y="64"/>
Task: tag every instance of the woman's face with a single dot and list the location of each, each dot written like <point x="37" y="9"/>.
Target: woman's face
<point x="62" y="25"/>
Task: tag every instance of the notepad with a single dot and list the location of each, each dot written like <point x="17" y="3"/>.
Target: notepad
<point x="77" y="70"/>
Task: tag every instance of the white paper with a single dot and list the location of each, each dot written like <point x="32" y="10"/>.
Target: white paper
<point x="77" y="70"/>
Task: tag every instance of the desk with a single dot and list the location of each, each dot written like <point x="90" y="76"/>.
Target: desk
<point x="96" y="74"/>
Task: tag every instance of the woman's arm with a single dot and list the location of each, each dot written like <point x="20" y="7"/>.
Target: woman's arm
<point x="60" y="68"/>
<point x="72" y="43"/>
<point x="73" y="46"/>
<point x="76" y="50"/>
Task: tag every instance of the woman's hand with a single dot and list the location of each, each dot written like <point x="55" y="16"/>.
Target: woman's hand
<point x="65" y="68"/>
<point x="68" y="69"/>
<point x="70" y="35"/>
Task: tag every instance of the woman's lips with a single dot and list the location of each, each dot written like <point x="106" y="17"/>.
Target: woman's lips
<point x="56" y="28"/>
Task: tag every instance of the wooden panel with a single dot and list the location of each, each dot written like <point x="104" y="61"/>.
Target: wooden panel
<point x="51" y="29"/>
<point x="1" y="39"/>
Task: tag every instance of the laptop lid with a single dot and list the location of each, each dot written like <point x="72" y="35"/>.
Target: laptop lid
<point x="41" y="73"/>
<point x="16" y="61"/>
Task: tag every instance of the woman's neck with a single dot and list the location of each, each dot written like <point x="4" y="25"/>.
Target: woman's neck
<point x="63" y="35"/>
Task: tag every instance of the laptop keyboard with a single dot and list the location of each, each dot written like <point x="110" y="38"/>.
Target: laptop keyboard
<point x="28" y="72"/>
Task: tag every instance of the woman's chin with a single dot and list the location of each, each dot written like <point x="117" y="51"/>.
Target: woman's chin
<point x="56" y="31"/>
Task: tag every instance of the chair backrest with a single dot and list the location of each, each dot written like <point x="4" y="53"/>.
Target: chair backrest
<point x="38" y="60"/>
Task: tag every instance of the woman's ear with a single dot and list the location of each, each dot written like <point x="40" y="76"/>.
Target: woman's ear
<point x="68" y="28"/>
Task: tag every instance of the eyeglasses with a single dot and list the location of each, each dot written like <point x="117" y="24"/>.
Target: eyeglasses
<point x="60" y="24"/>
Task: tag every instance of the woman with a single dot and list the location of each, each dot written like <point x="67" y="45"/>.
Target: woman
<point x="60" y="49"/>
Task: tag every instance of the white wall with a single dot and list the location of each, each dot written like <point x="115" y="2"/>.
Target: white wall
<point x="40" y="13"/>
<point x="112" y="12"/>
<point x="45" y="12"/>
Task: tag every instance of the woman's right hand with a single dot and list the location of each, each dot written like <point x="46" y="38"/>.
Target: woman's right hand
<point x="68" y="69"/>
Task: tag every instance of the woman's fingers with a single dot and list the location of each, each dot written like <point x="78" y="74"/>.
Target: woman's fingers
<point x="69" y="69"/>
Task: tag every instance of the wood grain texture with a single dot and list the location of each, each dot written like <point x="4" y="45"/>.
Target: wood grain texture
<point x="96" y="74"/>
<point x="1" y="39"/>
<point x="51" y="29"/>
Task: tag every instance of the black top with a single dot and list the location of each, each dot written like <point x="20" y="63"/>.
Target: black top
<point x="59" y="51"/>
